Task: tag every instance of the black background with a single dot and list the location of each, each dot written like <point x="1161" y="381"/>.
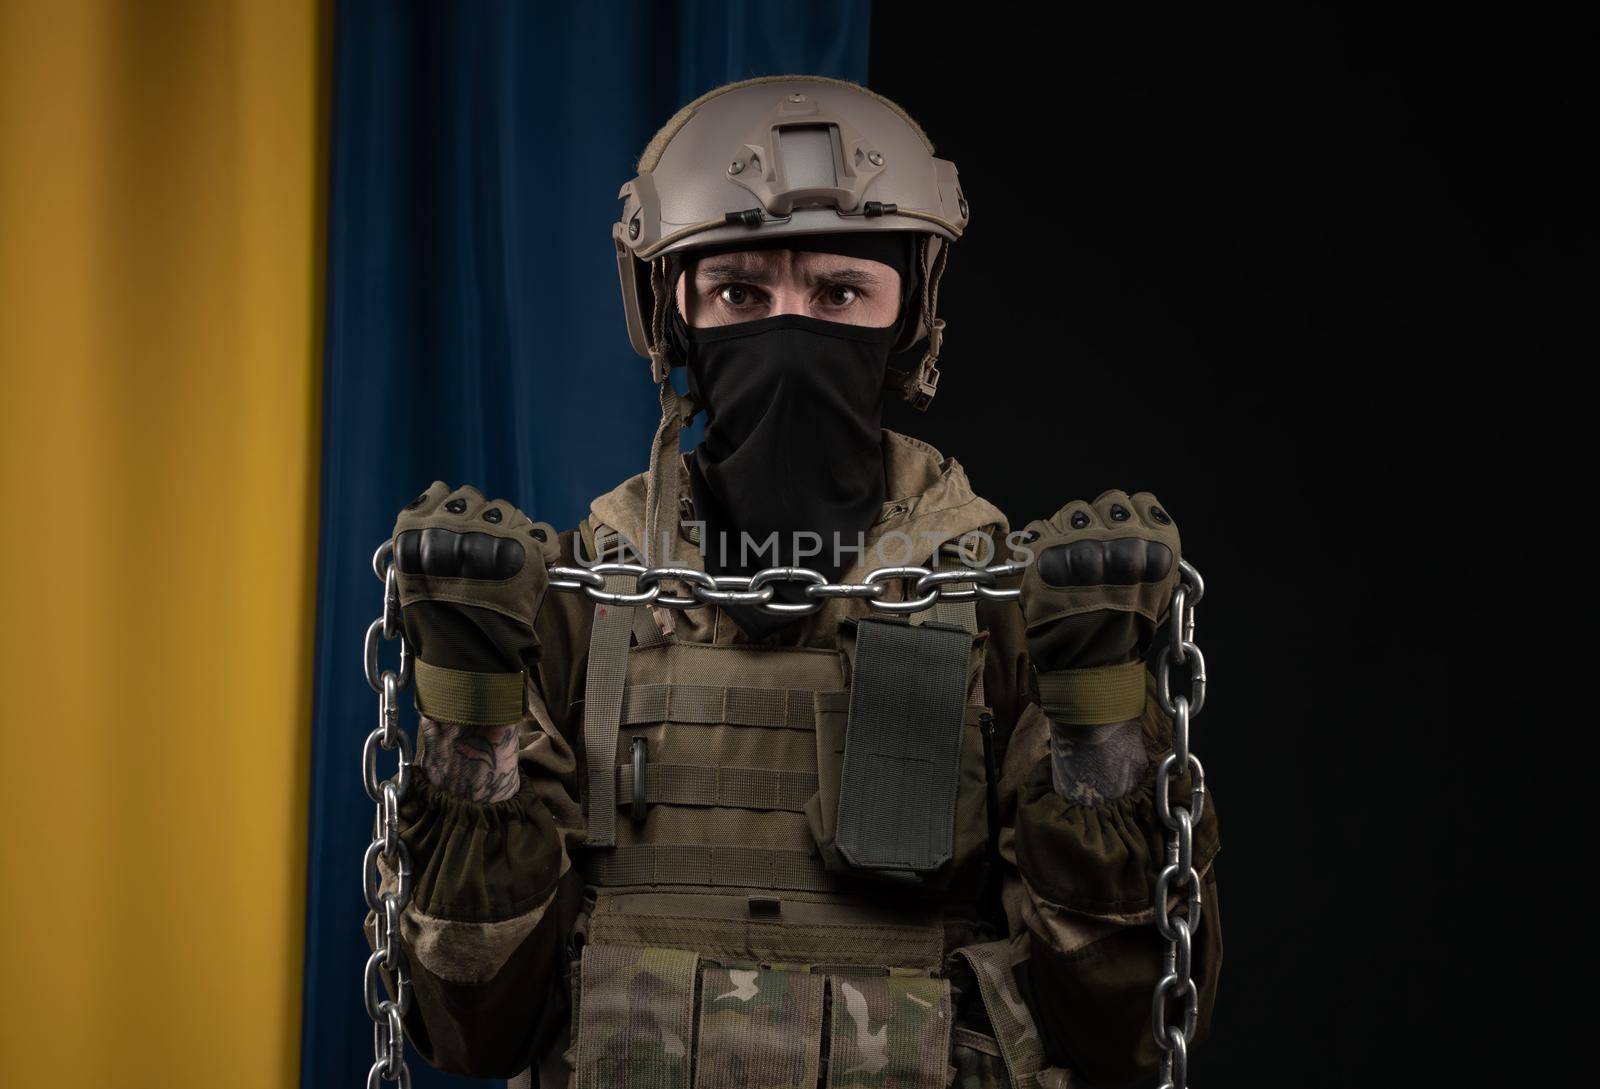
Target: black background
<point x="1305" y="274"/>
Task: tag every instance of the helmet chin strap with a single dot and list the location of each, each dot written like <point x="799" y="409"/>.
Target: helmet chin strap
<point x="660" y="361"/>
<point x="663" y="481"/>
<point x="919" y="386"/>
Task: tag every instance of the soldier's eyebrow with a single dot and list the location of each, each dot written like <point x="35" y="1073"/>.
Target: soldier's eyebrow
<point x="733" y="268"/>
<point x="760" y="273"/>
<point x="848" y="277"/>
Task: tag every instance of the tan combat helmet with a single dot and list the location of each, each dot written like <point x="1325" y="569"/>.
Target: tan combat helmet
<point x="786" y="155"/>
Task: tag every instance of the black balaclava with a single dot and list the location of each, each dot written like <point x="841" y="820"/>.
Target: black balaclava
<point x="793" y="440"/>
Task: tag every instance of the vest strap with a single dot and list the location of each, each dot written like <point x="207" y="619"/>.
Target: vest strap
<point x="783" y="708"/>
<point x="602" y="714"/>
<point x="952" y="614"/>
<point x="729" y="787"/>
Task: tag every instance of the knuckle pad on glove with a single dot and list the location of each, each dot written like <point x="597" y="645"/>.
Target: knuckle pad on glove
<point x="472" y="578"/>
<point x="444" y="553"/>
<point x="1126" y="561"/>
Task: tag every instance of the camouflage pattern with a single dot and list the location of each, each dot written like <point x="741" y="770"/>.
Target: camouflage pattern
<point x="1014" y="1029"/>
<point x="636" y="1023"/>
<point x="1073" y="875"/>
<point x="889" y="1032"/>
<point x="977" y="1067"/>
<point x="759" y="1029"/>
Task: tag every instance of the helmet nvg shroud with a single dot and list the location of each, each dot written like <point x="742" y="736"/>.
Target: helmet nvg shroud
<point x="782" y="156"/>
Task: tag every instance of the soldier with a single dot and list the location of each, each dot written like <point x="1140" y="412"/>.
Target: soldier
<point x="787" y="839"/>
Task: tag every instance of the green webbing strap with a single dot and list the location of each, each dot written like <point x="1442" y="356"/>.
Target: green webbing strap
<point x="646" y="632"/>
<point x="949" y="614"/>
<point x="786" y="708"/>
<point x="953" y="614"/>
<point x="731" y="788"/>
<point x="902" y="748"/>
<point x="1013" y="1024"/>
<point x="461" y="698"/>
<point x="1093" y="697"/>
<point x="710" y="864"/>
<point x="602" y="708"/>
<point x="956" y="614"/>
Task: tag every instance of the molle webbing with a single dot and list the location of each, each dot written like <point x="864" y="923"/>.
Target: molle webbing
<point x="727" y="771"/>
<point x="725" y="866"/>
<point x="1095" y="696"/>
<point x="602" y="713"/>
<point x="788" y="708"/>
<point x="789" y="937"/>
<point x="709" y="785"/>
<point x="462" y="698"/>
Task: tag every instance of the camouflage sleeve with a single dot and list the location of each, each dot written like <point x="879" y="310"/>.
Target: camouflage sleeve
<point x="494" y="892"/>
<point x="1078" y="872"/>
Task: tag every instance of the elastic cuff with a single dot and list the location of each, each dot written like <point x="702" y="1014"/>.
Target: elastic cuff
<point x="1093" y="697"/>
<point x="427" y="801"/>
<point x="479" y="862"/>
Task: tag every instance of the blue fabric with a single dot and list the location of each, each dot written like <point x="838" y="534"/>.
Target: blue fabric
<point x="474" y="330"/>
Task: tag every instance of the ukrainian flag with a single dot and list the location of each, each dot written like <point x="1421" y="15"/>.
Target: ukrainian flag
<point x="266" y="269"/>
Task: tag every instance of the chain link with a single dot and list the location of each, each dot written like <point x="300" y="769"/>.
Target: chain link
<point x="388" y="1030"/>
<point x="1175" y="1005"/>
<point x="924" y="587"/>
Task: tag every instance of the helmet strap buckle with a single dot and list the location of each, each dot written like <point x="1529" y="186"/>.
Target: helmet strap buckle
<point x="925" y="381"/>
<point x="660" y="365"/>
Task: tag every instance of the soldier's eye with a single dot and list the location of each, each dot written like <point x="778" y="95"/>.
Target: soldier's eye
<point x="839" y="295"/>
<point x="737" y="295"/>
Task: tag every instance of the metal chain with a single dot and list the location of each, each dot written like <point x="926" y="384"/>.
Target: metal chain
<point x="1175" y="1006"/>
<point x="924" y="587"/>
<point x="388" y="1031"/>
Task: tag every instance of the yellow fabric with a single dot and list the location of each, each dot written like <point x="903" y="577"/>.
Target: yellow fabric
<point x="161" y="176"/>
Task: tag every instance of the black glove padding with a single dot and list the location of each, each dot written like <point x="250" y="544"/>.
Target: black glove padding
<point x="471" y="575"/>
<point x="1101" y="581"/>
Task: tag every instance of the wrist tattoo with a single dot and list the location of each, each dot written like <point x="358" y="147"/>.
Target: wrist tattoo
<point x="1091" y="765"/>
<point x="476" y="762"/>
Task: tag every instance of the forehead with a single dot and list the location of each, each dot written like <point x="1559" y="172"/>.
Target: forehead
<point x="779" y="261"/>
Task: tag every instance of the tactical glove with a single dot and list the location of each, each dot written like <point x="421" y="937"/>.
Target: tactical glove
<point x="471" y="577"/>
<point x="1093" y="598"/>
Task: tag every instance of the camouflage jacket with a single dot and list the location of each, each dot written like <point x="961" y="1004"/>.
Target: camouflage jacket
<point x="504" y="898"/>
